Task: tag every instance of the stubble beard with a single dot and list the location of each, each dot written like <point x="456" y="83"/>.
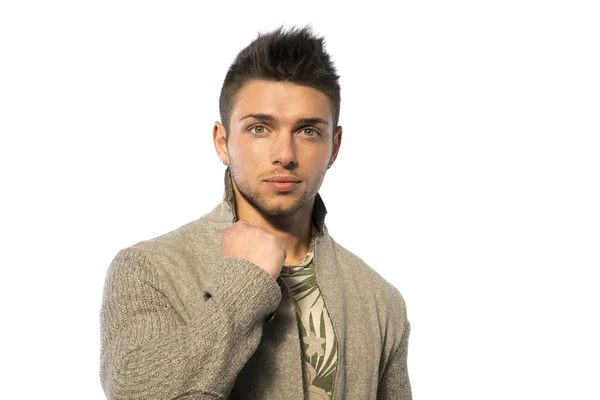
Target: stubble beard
<point x="259" y="202"/>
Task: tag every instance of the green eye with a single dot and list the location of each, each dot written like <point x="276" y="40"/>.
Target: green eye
<point x="258" y="129"/>
<point x="307" y="132"/>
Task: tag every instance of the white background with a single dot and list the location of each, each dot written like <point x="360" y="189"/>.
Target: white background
<point x="469" y="174"/>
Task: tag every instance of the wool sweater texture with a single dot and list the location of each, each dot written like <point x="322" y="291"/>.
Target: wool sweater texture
<point x="178" y="321"/>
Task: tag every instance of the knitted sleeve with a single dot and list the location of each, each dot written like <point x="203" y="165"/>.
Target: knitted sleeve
<point x="394" y="384"/>
<point x="148" y="352"/>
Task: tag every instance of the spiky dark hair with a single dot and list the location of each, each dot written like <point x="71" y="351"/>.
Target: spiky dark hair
<point x="295" y="55"/>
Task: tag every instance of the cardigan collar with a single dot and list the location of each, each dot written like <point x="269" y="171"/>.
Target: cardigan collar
<point x="319" y="209"/>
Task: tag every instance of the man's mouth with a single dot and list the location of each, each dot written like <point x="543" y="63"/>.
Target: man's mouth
<point x="283" y="183"/>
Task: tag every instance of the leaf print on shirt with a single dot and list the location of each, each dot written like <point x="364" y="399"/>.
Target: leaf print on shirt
<point x="318" y="341"/>
<point x="308" y="285"/>
<point x="314" y="350"/>
<point x="312" y="392"/>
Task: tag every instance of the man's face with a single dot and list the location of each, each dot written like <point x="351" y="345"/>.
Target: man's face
<point x="280" y="130"/>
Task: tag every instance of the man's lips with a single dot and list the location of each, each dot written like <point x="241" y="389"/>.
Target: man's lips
<point x="283" y="179"/>
<point x="283" y="183"/>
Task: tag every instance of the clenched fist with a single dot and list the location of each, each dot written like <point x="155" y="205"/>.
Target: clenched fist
<point x="255" y="244"/>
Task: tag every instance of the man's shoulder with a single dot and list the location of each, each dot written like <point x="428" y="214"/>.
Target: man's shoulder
<point x="355" y="268"/>
<point x="186" y="244"/>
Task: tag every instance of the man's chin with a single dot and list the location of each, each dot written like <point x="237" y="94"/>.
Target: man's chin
<point x="278" y="210"/>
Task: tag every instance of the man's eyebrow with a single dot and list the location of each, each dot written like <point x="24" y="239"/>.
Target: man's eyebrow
<point x="311" y="121"/>
<point x="270" y="119"/>
<point x="260" y="117"/>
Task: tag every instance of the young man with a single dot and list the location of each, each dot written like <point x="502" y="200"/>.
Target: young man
<point x="255" y="300"/>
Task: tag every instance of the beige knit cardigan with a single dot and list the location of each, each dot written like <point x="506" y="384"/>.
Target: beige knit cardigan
<point x="178" y="321"/>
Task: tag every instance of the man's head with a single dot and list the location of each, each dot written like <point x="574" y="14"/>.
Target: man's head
<point x="279" y="107"/>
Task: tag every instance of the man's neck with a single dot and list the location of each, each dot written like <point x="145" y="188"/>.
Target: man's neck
<point x="294" y="230"/>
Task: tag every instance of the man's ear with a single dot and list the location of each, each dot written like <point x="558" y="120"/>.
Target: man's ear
<point x="337" y="142"/>
<point x="220" y="141"/>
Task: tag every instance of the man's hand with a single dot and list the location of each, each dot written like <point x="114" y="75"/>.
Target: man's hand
<point x="255" y="244"/>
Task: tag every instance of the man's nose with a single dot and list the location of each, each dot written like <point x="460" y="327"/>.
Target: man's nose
<point x="282" y="150"/>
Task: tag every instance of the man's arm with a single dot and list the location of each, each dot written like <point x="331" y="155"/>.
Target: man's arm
<point x="394" y="383"/>
<point x="148" y="352"/>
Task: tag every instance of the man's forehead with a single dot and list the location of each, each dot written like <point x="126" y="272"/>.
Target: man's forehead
<point x="284" y="101"/>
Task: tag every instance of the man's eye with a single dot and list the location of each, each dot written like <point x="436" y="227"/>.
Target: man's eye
<point x="310" y="132"/>
<point x="258" y="129"/>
